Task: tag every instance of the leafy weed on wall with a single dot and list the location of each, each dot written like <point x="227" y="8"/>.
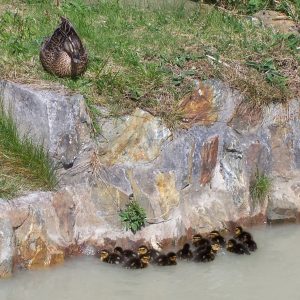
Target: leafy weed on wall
<point x="133" y="216"/>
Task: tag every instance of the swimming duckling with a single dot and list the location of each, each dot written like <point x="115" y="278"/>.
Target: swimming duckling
<point x="126" y="254"/>
<point x="215" y="247"/>
<point x="104" y="254"/>
<point x="241" y="235"/>
<point x="185" y="252"/>
<point x="198" y="241"/>
<point x="166" y="260"/>
<point x="250" y="244"/>
<point x="215" y="236"/>
<point x="137" y="262"/>
<point x="111" y="258"/>
<point x="63" y="54"/>
<point x="235" y="247"/>
<point x="205" y="255"/>
<point x="142" y="250"/>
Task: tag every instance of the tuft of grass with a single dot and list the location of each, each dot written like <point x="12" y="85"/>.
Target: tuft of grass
<point x="147" y="54"/>
<point x="133" y="216"/>
<point x="260" y="187"/>
<point x="24" y="165"/>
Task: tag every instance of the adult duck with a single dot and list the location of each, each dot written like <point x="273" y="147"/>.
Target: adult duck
<point x="63" y="53"/>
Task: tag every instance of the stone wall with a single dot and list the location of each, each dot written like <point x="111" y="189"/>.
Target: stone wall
<point x="193" y="179"/>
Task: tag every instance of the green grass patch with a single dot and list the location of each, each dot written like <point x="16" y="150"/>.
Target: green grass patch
<point x="24" y="165"/>
<point x="260" y="187"/>
<point x="290" y="7"/>
<point x="148" y="56"/>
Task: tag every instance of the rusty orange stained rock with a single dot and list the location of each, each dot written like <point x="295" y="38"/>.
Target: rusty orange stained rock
<point x="209" y="154"/>
<point x="198" y="107"/>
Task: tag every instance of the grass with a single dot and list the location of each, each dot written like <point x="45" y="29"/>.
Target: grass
<point x="24" y="166"/>
<point x="260" y="187"/>
<point x="290" y="7"/>
<point x="148" y="56"/>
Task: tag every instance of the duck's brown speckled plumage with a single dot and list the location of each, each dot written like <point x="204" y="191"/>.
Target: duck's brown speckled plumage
<point x="63" y="53"/>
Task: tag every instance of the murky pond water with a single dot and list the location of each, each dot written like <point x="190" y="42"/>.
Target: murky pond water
<point x="273" y="272"/>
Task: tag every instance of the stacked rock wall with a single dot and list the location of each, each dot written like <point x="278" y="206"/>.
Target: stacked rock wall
<point x="193" y="179"/>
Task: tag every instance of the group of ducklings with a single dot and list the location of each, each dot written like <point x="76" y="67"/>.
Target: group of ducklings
<point x="203" y="250"/>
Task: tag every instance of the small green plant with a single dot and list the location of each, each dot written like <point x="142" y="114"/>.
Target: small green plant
<point x="268" y="68"/>
<point x="133" y="216"/>
<point x="260" y="187"/>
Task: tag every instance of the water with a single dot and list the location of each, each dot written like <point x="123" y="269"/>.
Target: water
<point x="270" y="273"/>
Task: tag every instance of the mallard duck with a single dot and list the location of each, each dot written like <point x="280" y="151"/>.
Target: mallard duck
<point x="126" y="254"/>
<point x="241" y="235"/>
<point x="111" y="258"/>
<point x="215" y="236"/>
<point x="63" y="53"/>
<point x="235" y="247"/>
<point x="166" y="260"/>
<point x="185" y="252"/>
<point x="142" y="250"/>
<point x="198" y="241"/>
<point x="205" y="255"/>
<point x="137" y="262"/>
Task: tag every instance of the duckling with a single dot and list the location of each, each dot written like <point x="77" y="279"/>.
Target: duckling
<point x="137" y="262"/>
<point x="215" y="247"/>
<point x="63" y="53"/>
<point x="142" y="250"/>
<point x="235" y="247"/>
<point x="111" y="258"/>
<point x="166" y="260"/>
<point x="126" y="254"/>
<point x="199" y="242"/>
<point x="250" y="244"/>
<point x="185" y="252"/>
<point x="104" y="254"/>
<point x="205" y="255"/>
<point x="215" y="236"/>
<point x="241" y="235"/>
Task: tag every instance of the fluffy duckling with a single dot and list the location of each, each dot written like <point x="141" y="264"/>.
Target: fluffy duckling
<point x="104" y="254"/>
<point x="215" y="247"/>
<point x="199" y="242"/>
<point x="166" y="260"/>
<point x="205" y="254"/>
<point x="185" y="252"/>
<point x="143" y="250"/>
<point x="126" y="254"/>
<point x="250" y="244"/>
<point x="235" y="247"/>
<point x="241" y="235"/>
<point x="215" y="236"/>
<point x="137" y="262"/>
<point x="111" y="258"/>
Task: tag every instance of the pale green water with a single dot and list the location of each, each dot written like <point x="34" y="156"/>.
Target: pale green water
<point x="273" y="272"/>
